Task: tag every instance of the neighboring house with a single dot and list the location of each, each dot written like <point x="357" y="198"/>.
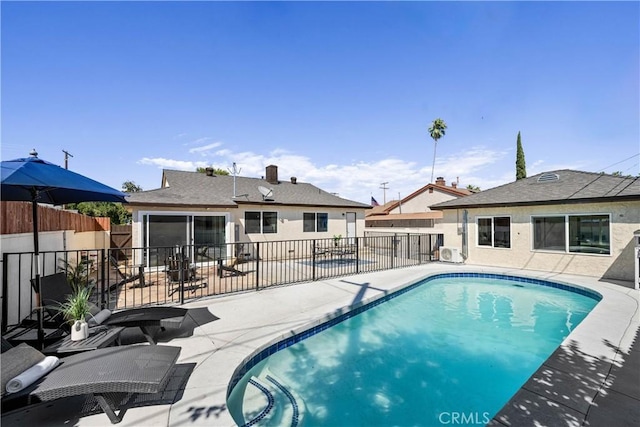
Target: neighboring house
<point x="413" y="213"/>
<point x="562" y="221"/>
<point x="203" y="209"/>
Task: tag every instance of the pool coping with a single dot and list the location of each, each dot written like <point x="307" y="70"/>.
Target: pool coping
<point x="245" y="322"/>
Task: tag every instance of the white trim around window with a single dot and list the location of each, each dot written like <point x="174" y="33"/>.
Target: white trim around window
<point x="315" y="222"/>
<point x="493" y="231"/>
<point x="267" y="222"/>
<point x="572" y="233"/>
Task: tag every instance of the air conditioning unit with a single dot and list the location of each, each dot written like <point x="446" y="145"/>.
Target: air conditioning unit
<point x="448" y="254"/>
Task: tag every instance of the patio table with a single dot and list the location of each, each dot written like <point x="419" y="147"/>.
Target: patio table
<point x="99" y="337"/>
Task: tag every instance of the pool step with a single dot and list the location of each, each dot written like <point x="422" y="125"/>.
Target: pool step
<point x="268" y="402"/>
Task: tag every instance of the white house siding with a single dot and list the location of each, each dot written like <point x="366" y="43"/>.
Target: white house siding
<point x="290" y="221"/>
<point x="625" y="219"/>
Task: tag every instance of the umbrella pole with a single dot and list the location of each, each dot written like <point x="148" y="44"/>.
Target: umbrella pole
<point x="36" y="255"/>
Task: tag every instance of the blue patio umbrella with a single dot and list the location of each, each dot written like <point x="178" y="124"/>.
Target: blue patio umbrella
<point x="38" y="181"/>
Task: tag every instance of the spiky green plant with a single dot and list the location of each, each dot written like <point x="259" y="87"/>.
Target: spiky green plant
<point x="76" y="306"/>
<point x="77" y="274"/>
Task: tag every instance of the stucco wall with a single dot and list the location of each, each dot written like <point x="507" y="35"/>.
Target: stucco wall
<point x="290" y="222"/>
<point x="625" y="219"/>
<point x="422" y="201"/>
<point x="19" y="270"/>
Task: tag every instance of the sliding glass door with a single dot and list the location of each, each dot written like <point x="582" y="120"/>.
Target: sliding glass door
<point x="204" y="236"/>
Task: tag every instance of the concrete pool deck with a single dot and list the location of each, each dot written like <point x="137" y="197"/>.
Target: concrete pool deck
<point x="593" y="379"/>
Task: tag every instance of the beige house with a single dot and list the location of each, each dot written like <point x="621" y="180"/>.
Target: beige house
<point x="563" y="221"/>
<point x="413" y="214"/>
<point x="204" y="209"/>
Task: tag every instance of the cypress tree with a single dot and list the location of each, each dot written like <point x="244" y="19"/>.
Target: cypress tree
<point x="521" y="168"/>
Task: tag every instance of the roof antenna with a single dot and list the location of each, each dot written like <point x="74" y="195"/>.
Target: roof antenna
<point x="235" y="171"/>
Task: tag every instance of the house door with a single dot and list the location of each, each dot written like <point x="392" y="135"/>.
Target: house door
<point x="163" y="233"/>
<point x="351" y="225"/>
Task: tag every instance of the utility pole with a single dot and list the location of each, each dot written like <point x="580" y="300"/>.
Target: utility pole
<point x="384" y="187"/>
<point x="66" y="158"/>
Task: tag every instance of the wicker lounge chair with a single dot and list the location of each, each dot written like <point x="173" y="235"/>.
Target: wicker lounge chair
<point x="128" y="369"/>
<point x="55" y="288"/>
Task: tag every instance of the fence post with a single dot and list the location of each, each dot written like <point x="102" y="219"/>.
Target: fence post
<point x="357" y="255"/>
<point x="408" y="246"/>
<point x="393" y="249"/>
<point x="313" y="260"/>
<point x="103" y="260"/>
<point x="181" y="260"/>
<point x="5" y="288"/>
<point x="258" y="258"/>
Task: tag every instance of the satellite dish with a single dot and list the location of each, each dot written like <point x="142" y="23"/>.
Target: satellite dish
<point x="267" y="193"/>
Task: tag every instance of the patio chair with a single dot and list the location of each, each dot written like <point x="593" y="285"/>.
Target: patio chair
<point x="180" y="271"/>
<point x="230" y="268"/>
<point x="101" y="373"/>
<point x="127" y="278"/>
<point x="54" y="289"/>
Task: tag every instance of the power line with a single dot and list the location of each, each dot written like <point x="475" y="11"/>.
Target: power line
<point x="621" y="161"/>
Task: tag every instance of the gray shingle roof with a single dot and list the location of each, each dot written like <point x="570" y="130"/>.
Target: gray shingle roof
<point x="198" y="189"/>
<point x="570" y="187"/>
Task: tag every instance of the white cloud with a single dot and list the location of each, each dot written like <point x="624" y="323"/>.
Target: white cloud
<point x="356" y="181"/>
<point x="205" y="148"/>
<point x="163" y="163"/>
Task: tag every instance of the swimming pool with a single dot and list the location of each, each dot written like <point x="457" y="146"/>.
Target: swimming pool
<point x="454" y="347"/>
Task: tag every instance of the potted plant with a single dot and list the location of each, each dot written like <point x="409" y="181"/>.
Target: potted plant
<point x="77" y="306"/>
<point x="336" y="239"/>
<point x="75" y="310"/>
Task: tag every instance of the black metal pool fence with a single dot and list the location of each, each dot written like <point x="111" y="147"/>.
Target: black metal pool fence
<point x="132" y="277"/>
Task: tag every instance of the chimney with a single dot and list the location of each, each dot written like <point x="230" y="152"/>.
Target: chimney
<point x="440" y="181"/>
<point x="272" y="174"/>
<point x="454" y="184"/>
<point x="209" y="171"/>
<point x="294" y="180"/>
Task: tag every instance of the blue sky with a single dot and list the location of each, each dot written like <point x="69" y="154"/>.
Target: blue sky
<point x="338" y="94"/>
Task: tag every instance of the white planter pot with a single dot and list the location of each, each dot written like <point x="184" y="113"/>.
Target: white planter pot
<point x="79" y="330"/>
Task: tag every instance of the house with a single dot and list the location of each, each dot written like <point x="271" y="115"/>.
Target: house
<point x="561" y="221"/>
<point x="413" y="213"/>
<point x="204" y="209"/>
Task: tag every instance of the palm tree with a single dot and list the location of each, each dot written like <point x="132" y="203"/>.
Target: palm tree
<point x="436" y="131"/>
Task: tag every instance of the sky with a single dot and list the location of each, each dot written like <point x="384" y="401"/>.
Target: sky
<point x="337" y="94"/>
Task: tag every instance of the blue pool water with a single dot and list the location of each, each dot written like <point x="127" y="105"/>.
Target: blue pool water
<point x="453" y="348"/>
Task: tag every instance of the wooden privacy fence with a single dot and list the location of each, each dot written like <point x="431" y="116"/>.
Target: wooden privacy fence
<point x="16" y="218"/>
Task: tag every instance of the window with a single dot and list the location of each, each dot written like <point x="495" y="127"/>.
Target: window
<point x="589" y="234"/>
<point x="315" y="222"/>
<point x="252" y="222"/>
<point x="269" y="222"/>
<point x="572" y="234"/>
<point x="548" y="233"/>
<point x="260" y="222"/>
<point x="494" y="232"/>
<point x="322" y="221"/>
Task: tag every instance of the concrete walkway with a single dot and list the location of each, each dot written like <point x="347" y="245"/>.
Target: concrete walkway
<point x="593" y="379"/>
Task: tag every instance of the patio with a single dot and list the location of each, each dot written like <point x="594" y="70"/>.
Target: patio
<point x="592" y="379"/>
